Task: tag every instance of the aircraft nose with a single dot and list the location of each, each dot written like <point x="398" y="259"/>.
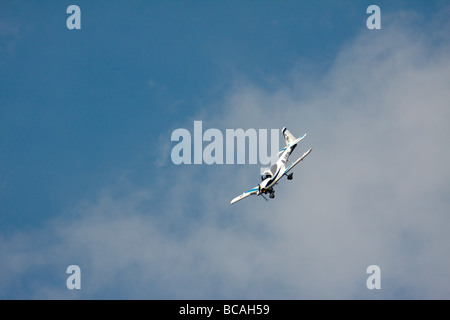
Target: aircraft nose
<point x="264" y="183"/>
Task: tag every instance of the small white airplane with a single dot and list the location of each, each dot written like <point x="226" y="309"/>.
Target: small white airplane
<point x="271" y="176"/>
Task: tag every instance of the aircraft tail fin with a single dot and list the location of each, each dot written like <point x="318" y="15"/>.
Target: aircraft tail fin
<point x="288" y="137"/>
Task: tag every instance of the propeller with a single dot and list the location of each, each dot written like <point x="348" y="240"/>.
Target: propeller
<point x="264" y="197"/>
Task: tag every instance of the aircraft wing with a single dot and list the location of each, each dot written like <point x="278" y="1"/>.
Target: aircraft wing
<point x="245" y="194"/>
<point x="297" y="161"/>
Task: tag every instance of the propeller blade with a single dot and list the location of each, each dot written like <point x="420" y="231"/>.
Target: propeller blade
<point x="264" y="197"/>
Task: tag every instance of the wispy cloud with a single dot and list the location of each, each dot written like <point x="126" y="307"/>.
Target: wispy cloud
<point x="8" y="36"/>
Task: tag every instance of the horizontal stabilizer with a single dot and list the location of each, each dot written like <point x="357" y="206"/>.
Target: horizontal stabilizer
<point x="289" y="138"/>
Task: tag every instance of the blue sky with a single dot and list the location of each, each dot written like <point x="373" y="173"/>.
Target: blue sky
<point x="80" y="106"/>
<point x="85" y="123"/>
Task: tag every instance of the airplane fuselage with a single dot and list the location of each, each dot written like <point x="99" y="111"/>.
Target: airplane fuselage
<point x="277" y="171"/>
<point x="271" y="176"/>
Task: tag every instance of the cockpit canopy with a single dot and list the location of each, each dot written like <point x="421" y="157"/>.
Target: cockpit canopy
<point x="270" y="172"/>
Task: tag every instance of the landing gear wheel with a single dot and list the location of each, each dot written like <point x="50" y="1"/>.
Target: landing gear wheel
<point x="272" y="195"/>
<point x="290" y="176"/>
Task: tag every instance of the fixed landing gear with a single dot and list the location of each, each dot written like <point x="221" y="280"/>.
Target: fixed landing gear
<point x="290" y="176"/>
<point x="263" y="191"/>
